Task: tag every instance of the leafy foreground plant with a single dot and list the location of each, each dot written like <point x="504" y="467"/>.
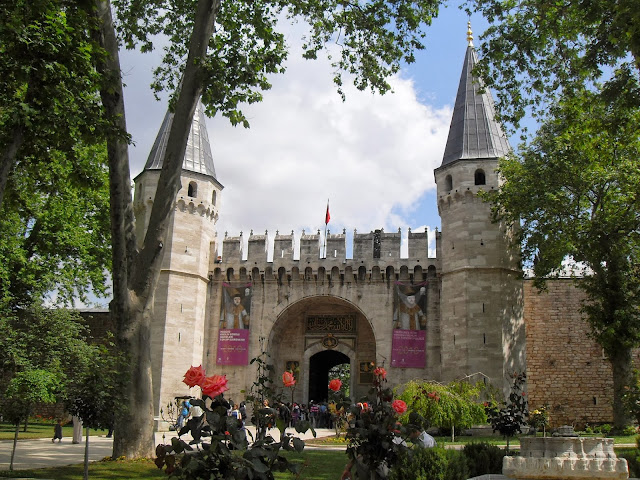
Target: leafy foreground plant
<point x="509" y="418"/>
<point x="376" y="438"/>
<point x="216" y="436"/>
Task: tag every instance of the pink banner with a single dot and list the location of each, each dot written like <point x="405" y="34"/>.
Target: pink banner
<point x="233" y="347"/>
<point x="408" y="349"/>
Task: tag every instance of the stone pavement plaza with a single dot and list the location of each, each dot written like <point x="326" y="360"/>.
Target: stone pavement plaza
<point x="41" y="453"/>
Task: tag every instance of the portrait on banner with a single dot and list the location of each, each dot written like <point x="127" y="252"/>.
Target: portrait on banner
<point x="235" y="319"/>
<point x="409" y="312"/>
<point x="236" y="307"/>
<point x="409" y="325"/>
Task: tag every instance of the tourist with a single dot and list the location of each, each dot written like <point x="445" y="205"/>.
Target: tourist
<point x="57" y="432"/>
<point x="77" y="429"/>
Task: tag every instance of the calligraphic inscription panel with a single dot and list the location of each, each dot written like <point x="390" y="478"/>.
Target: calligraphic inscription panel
<point x="331" y="323"/>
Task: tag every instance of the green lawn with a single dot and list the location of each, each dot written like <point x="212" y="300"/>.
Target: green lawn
<point x="463" y="440"/>
<point x="39" y="430"/>
<point x="320" y="465"/>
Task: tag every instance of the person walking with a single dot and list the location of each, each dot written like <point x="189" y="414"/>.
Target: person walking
<point x="57" y="432"/>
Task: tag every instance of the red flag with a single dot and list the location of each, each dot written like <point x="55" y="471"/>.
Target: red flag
<point x="327" y="217"/>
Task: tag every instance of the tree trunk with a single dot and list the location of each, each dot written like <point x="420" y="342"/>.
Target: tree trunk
<point x="15" y="442"/>
<point x="621" y="366"/>
<point x="9" y="158"/>
<point x="134" y="422"/>
<point x="86" y="456"/>
<point x="135" y="273"/>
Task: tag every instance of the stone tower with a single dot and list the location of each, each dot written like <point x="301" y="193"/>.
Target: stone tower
<point x="178" y="329"/>
<point x="482" y="328"/>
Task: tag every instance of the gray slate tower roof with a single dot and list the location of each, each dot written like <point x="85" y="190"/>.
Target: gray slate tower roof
<point x="197" y="157"/>
<point x="474" y="132"/>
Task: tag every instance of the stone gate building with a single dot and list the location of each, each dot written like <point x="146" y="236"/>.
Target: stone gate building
<point x="466" y="311"/>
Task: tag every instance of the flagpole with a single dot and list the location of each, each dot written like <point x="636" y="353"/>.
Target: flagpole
<point x="326" y="222"/>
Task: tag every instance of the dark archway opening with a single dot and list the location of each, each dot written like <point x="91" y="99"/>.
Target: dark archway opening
<point x="319" y="366"/>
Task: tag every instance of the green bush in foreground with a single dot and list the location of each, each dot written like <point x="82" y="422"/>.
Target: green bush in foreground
<point x="483" y="458"/>
<point x="430" y="464"/>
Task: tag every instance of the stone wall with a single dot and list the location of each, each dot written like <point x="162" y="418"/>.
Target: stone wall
<point x="566" y="369"/>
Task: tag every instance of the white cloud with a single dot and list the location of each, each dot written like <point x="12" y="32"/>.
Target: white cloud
<point x="373" y="156"/>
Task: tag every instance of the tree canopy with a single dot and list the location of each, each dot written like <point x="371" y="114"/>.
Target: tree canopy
<point x="534" y="51"/>
<point x="452" y="405"/>
<point x="575" y="193"/>
<point x="48" y="84"/>
<point x="55" y="230"/>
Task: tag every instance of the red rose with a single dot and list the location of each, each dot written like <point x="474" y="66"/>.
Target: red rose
<point x="399" y="406"/>
<point x="194" y="376"/>
<point x="288" y="379"/>
<point x="335" y="384"/>
<point x="380" y="372"/>
<point x="214" y="385"/>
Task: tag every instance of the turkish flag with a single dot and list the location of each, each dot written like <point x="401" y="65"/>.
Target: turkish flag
<point x="327" y="217"/>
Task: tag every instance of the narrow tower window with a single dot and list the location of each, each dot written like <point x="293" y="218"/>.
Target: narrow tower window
<point x="193" y="189"/>
<point x="213" y="198"/>
<point x="479" y="177"/>
<point x="448" y="183"/>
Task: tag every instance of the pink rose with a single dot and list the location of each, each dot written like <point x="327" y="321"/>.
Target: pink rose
<point x="288" y="379"/>
<point x="335" y="384"/>
<point x="380" y="372"/>
<point x="194" y="376"/>
<point x="399" y="406"/>
<point x="214" y="385"/>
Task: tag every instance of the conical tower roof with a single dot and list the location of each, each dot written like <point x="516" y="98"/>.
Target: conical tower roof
<point x="474" y="132"/>
<point x="197" y="157"/>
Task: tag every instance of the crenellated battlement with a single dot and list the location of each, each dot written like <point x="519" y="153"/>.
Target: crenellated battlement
<point x="376" y="256"/>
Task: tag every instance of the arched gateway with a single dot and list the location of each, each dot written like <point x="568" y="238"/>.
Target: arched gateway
<point x="317" y="333"/>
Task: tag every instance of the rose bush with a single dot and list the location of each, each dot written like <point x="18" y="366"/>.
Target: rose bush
<point x="214" y="385"/>
<point x="194" y="376"/>
<point x="399" y="406"/>
<point x="335" y="384"/>
<point x="376" y="440"/>
<point x="216" y="434"/>
<point x="380" y="372"/>
<point x="288" y="379"/>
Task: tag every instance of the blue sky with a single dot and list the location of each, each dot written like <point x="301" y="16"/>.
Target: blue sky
<point x="372" y="156"/>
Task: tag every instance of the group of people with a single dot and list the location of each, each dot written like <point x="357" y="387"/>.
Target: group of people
<point x="77" y="430"/>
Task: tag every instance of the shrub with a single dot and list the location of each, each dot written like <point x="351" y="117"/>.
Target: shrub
<point x="430" y="464"/>
<point x="457" y="468"/>
<point x="631" y="456"/>
<point x="483" y="458"/>
<point x="421" y="464"/>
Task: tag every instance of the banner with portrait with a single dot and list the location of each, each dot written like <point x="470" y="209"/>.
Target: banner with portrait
<point x="235" y="320"/>
<point x="409" y="325"/>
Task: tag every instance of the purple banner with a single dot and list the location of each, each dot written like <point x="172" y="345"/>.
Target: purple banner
<point x="408" y="349"/>
<point x="233" y="347"/>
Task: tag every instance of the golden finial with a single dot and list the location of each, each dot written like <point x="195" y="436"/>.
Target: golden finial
<point x="469" y="34"/>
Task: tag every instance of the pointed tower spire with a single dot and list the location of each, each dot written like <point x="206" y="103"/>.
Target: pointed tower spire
<point x="474" y="132"/>
<point x="197" y="157"/>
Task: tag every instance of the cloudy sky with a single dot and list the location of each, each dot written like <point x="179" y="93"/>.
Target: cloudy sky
<point x="372" y="156"/>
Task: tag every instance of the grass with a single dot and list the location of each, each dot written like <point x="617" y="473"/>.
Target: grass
<point x="103" y="470"/>
<point x="320" y="465"/>
<point x="39" y="430"/>
<point x="463" y="440"/>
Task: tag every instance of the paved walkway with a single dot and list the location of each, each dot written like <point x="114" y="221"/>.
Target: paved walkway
<point x="41" y="453"/>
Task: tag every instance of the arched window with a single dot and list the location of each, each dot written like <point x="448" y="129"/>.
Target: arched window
<point x="479" y="177"/>
<point x="213" y="198"/>
<point x="362" y="273"/>
<point x="448" y="183"/>
<point x="193" y="189"/>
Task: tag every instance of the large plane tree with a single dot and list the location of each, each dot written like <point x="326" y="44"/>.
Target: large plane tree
<point x="221" y="52"/>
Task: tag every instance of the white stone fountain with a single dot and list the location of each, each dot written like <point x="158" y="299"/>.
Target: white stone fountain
<point x="565" y="457"/>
